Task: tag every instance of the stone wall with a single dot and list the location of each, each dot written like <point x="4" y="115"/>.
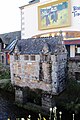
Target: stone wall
<point x="59" y="73"/>
<point x="46" y="69"/>
<point x="48" y="76"/>
<point x="47" y="101"/>
<point x="74" y="68"/>
<point x="18" y="95"/>
<point x="27" y="74"/>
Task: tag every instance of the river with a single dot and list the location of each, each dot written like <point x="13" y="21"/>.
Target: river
<point x="9" y="110"/>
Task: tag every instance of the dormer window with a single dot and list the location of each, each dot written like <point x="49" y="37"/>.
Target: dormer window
<point x="46" y="48"/>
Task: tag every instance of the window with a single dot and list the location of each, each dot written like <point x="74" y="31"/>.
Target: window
<point x="2" y="59"/>
<point x="46" y="57"/>
<point x="77" y="50"/>
<point x="22" y="12"/>
<point x="22" y="33"/>
<point x="33" y="58"/>
<point x="22" y="18"/>
<point x="16" y="57"/>
<point x="26" y="57"/>
<point x="22" y="23"/>
<point x="23" y="28"/>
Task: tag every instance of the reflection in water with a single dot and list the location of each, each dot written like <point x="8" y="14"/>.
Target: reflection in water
<point x="8" y="109"/>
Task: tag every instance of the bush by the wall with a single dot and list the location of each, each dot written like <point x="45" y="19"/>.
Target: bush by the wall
<point x="70" y="98"/>
<point x="4" y="72"/>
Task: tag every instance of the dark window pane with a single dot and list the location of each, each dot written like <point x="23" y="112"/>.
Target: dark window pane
<point x="46" y="57"/>
<point x="33" y="58"/>
<point x="26" y="57"/>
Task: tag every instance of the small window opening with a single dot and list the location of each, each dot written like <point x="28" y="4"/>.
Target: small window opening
<point x="26" y="57"/>
<point x="46" y="57"/>
<point x="33" y="58"/>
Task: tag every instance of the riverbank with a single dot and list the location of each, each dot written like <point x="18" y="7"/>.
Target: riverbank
<point x="9" y="110"/>
<point x="34" y="108"/>
<point x="68" y="102"/>
<point x="6" y="86"/>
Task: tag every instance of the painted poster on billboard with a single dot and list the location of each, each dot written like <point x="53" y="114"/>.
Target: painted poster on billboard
<point x="54" y="15"/>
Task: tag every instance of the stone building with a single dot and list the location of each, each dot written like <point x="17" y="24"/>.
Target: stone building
<point x="68" y="20"/>
<point x="38" y="63"/>
<point x="5" y="40"/>
<point x="74" y="69"/>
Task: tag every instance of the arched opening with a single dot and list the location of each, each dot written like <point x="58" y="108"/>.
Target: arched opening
<point x="2" y="59"/>
<point x="1" y="44"/>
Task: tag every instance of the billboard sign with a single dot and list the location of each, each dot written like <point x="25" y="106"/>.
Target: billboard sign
<point x="54" y="15"/>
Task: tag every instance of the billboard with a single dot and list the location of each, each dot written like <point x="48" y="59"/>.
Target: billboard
<point x="54" y="15"/>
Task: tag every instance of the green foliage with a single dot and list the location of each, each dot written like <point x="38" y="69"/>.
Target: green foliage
<point x="70" y="98"/>
<point x="8" y="87"/>
<point x="4" y="72"/>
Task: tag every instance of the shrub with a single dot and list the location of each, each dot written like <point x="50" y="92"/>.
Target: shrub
<point x="4" y="72"/>
<point x="70" y="98"/>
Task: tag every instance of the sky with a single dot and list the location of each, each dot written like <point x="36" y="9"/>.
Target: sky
<point x="10" y="15"/>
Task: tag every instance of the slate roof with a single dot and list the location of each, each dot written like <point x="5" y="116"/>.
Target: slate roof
<point x="11" y="46"/>
<point x="35" y="45"/>
<point x="33" y="1"/>
<point x="7" y="38"/>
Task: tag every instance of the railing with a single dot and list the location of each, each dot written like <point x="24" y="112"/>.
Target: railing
<point x="52" y="110"/>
